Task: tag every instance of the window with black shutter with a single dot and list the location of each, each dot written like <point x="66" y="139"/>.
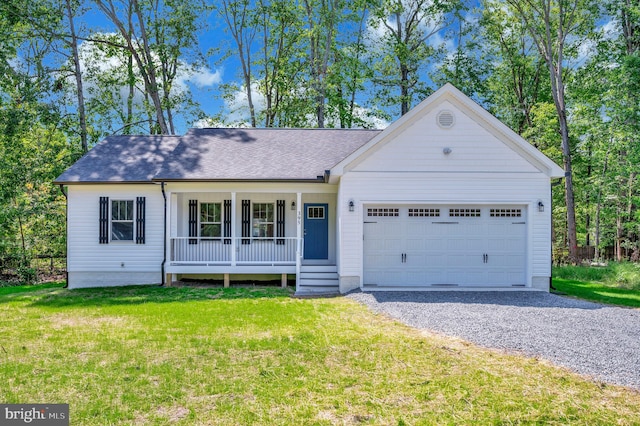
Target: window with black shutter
<point x="122" y="220"/>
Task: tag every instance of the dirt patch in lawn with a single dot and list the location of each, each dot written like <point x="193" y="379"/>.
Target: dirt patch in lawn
<point x="60" y="321"/>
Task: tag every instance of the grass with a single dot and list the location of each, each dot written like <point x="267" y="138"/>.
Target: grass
<point x="256" y="356"/>
<point x="622" y="275"/>
<point x="615" y="284"/>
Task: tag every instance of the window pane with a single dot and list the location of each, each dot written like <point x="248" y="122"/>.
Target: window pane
<point x="263" y="211"/>
<point x="262" y="230"/>
<point x="122" y="231"/>
<point x="258" y="211"/>
<point x="204" y="212"/>
<point x="210" y="212"/>
<point x="122" y="210"/>
<point x="129" y="210"/>
<point x="115" y="210"/>
<point x="210" y="230"/>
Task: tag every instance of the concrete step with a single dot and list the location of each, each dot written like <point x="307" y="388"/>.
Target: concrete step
<point x="318" y="268"/>
<point x="313" y="282"/>
<point x="319" y="275"/>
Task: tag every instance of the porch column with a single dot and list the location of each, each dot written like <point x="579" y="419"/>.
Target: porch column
<point x="299" y="209"/>
<point x="233" y="229"/>
<point x="167" y="248"/>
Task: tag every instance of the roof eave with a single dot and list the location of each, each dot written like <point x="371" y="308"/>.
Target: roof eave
<point x="103" y="182"/>
<point x="319" y="179"/>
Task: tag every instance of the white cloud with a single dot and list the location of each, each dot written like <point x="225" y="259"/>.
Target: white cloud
<point x="201" y="77"/>
<point x="204" y="77"/>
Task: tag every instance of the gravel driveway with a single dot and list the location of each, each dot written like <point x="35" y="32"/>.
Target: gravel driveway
<point x="589" y="338"/>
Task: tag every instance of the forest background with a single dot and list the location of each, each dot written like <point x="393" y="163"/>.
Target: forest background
<point x="564" y="74"/>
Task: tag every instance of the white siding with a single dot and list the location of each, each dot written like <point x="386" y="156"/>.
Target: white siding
<point x="118" y="262"/>
<point x="444" y="188"/>
<point x="419" y="147"/>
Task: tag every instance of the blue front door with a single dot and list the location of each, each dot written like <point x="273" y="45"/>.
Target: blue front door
<point x="316" y="231"/>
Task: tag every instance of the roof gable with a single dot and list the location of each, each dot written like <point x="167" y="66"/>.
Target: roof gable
<point x="477" y="142"/>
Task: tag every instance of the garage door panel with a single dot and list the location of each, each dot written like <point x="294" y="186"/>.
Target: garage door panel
<point x="476" y="247"/>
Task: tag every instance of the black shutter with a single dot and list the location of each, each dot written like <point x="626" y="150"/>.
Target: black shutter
<point x="140" y="212"/>
<point x="104" y="220"/>
<point x="280" y="221"/>
<point x="246" y="221"/>
<point x="193" y="221"/>
<point x="227" y="221"/>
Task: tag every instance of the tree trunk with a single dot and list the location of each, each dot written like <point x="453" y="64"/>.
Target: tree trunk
<point x="619" y="237"/>
<point x="78" y="74"/>
<point x="404" y="90"/>
<point x="599" y="204"/>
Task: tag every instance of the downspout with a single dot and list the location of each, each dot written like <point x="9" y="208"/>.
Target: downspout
<point x="556" y="183"/>
<point x="164" y="237"/>
<point x="66" y="224"/>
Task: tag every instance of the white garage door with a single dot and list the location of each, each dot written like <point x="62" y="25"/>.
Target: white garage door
<point x="445" y="246"/>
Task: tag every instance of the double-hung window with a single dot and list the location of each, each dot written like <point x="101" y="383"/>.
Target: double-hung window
<point x="262" y="220"/>
<point x="122" y="220"/>
<point x="210" y="220"/>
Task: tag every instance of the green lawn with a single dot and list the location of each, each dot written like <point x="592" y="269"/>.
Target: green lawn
<point x="615" y="284"/>
<point x="257" y="356"/>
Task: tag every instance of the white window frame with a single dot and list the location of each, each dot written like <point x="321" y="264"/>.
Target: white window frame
<point x="132" y="220"/>
<point x="316" y="208"/>
<point x="201" y="222"/>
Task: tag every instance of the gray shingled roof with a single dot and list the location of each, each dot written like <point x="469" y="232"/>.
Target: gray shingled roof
<point x="121" y="159"/>
<point x="218" y="154"/>
<point x="261" y="154"/>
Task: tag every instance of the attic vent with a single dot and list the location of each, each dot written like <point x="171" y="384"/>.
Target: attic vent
<point x="445" y="119"/>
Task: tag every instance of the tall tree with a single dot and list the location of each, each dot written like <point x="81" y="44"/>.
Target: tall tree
<point x="140" y="48"/>
<point x="156" y="37"/>
<point x="239" y="16"/>
<point x="550" y="23"/>
<point x="518" y="80"/>
<point x="75" y="58"/>
<point x="406" y="27"/>
<point x="322" y="18"/>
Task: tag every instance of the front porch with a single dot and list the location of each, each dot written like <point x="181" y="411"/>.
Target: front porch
<point x="265" y="231"/>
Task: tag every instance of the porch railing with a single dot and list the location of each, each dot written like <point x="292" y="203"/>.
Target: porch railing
<point x="235" y="251"/>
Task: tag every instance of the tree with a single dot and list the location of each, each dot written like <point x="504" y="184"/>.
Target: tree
<point x="155" y="34"/>
<point x="517" y="81"/>
<point x="70" y="12"/>
<point x="239" y="18"/>
<point x="404" y="51"/>
<point x="550" y="23"/>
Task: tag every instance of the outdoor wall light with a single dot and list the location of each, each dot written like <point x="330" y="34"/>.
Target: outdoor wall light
<point x="446" y="151"/>
<point x="351" y="206"/>
<point x="293" y="205"/>
<point x="540" y="206"/>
